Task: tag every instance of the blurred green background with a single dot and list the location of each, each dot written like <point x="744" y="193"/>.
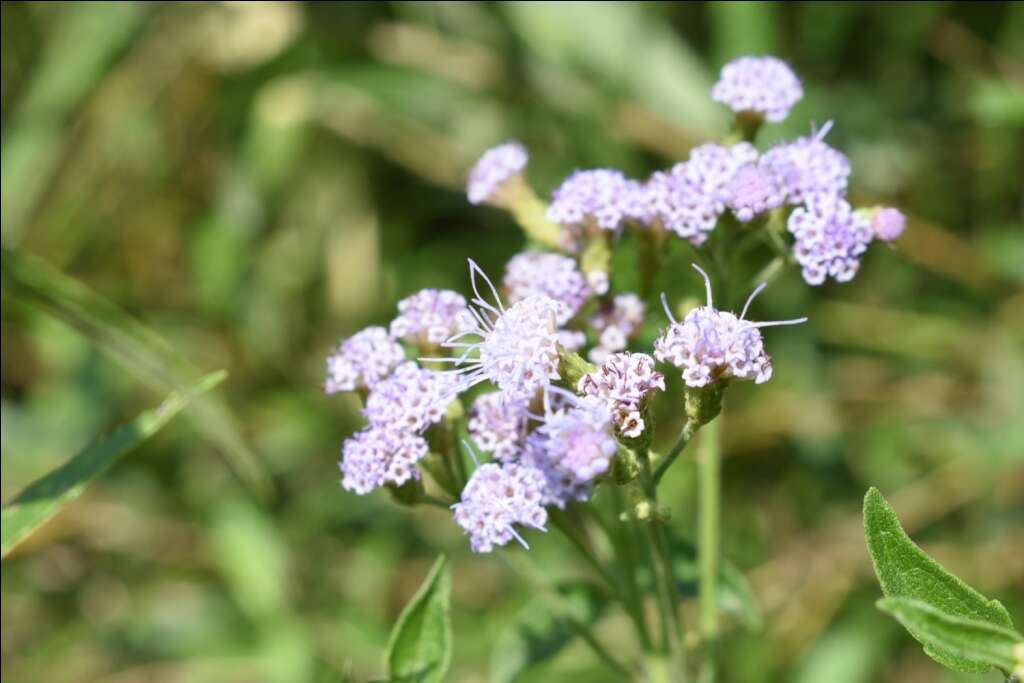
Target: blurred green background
<point x="247" y="183"/>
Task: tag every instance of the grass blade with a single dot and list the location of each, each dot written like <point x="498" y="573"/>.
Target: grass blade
<point x="43" y="498"/>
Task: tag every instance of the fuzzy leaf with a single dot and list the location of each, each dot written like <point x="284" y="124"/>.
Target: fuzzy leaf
<point x="420" y="646"/>
<point x="905" y="571"/>
<point x="977" y="641"/>
<point x="43" y="498"/>
<point x="539" y="632"/>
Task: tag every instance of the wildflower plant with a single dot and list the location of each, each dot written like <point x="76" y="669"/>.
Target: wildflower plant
<point x="530" y="409"/>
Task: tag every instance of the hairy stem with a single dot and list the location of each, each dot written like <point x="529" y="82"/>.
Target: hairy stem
<point x="709" y="518"/>
<point x="690" y="428"/>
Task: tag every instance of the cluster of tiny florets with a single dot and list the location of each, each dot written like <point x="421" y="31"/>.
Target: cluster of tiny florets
<point x="830" y="238"/>
<point x="496" y="499"/>
<point x="623" y="383"/>
<point x="535" y="273"/>
<point x="498" y="425"/>
<point x="709" y="344"/>
<point x="411" y="399"/>
<point x="494" y="168"/>
<point x="578" y="439"/>
<point x="807" y="167"/>
<point x="604" y="197"/>
<point x="753" y="190"/>
<point x="374" y="457"/>
<point x="430" y="317"/>
<point x="362" y="360"/>
<point x="762" y="85"/>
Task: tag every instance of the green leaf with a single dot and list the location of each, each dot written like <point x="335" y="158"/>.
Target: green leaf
<point x="539" y="632"/>
<point x="905" y="571"/>
<point x="420" y="646"/>
<point x="44" y="498"/>
<point x="28" y="280"/>
<point x="969" y="639"/>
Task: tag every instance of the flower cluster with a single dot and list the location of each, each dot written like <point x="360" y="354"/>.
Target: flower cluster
<point x="498" y="425"/>
<point x="496" y="167"/>
<point x="709" y="345"/>
<point x="362" y="360"/>
<point x="549" y="446"/>
<point x="830" y="238"/>
<point x="554" y="276"/>
<point x="496" y="498"/>
<point x="624" y="383"/>
<point x="602" y="197"/>
<point x="430" y="317"/>
<point x="765" y="86"/>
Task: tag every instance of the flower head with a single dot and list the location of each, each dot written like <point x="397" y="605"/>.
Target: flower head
<point x="763" y="85"/>
<point x="888" y="224"/>
<point x="602" y="196"/>
<point x="807" y="167"/>
<point x="623" y="384"/>
<point x="495" y="167"/>
<point x="430" y="316"/>
<point x="578" y="435"/>
<point x="517" y="347"/>
<point x="752" y="190"/>
<point x="830" y="238"/>
<point x="688" y="198"/>
<point x="495" y="500"/>
<point x="709" y="344"/>
<point x="362" y="360"/>
<point x="560" y="487"/>
<point x="498" y="425"/>
<point x="411" y="399"/>
<point x="535" y="273"/>
<point x="377" y="456"/>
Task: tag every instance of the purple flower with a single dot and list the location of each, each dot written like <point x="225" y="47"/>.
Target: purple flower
<point x="709" y="344"/>
<point x="362" y="360"/>
<point x="560" y="487"/>
<point x="688" y="198"/>
<point x="752" y="190"/>
<point x="552" y="275"/>
<point x="616" y="325"/>
<point x="430" y="316"/>
<point x="498" y="425"/>
<point x="888" y="224"/>
<point x="602" y="196"/>
<point x="374" y="457"/>
<point x="411" y="399"/>
<point x="517" y="347"/>
<point x="495" y="500"/>
<point x="763" y="85"/>
<point x="578" y="435"/>
<point x="495" y="167"/>
<point x="623" y="383"/>
<point x="807" y="167"/>
<point x="830" y="238"/>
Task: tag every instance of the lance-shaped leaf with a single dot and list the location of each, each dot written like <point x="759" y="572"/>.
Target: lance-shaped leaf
<point x="420" y="646"/>
<point x="905" y="571"/>
<point x="542" y="629"/>
<point x="44" y="498"/>
<point x="970" y="639"/>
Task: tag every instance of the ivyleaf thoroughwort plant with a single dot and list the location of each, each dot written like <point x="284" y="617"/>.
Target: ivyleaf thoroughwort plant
<point x="529" y="400"/>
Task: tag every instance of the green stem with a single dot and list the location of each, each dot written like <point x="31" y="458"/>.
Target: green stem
<point x="428" y="499"/>
<point x="668" y="596"/>
<point x="521" y="563"/>
<point x="690" y="428"/>
<point x="624" y="538"/>
<point x="709" y="514"/>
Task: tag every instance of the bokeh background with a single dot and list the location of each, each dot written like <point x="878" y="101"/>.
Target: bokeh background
<point x="204" y="186"/>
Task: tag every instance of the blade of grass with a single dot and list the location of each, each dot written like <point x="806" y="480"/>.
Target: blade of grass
<point x="44" y="498"/>
<point x="29" y="281"/>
